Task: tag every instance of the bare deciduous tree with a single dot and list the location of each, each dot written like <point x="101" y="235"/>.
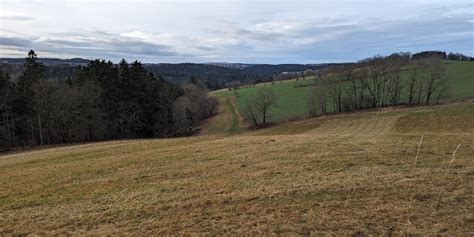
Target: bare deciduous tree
<point x="259" y="105"/>
<point x="413" y="83"/>
<point x="436" y="79"/>
<point x="317" y="101"/>
<point x="379" y="82"/>
<point x="182" y="116"/>
<point x="194" y="106"/>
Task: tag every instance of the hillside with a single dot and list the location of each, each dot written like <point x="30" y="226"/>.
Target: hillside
<point x="48" y="61"/>
<point x="292" y="100"/>
<point x="357" y="173"/>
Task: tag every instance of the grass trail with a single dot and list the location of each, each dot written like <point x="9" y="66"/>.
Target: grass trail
<point x="235" y="128"/>
<point x="227" y="121"/>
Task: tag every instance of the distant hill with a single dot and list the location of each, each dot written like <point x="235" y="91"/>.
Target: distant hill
<point x="213" y="75"/>
<point x="230" y="65"/>
<point x="219" y="75"/>
<point x="48" y="61"/>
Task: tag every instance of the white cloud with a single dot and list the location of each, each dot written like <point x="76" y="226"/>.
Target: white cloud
<point x="14" y="16"/>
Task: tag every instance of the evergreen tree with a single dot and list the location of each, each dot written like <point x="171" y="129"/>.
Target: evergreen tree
<point x="28" y="118"/>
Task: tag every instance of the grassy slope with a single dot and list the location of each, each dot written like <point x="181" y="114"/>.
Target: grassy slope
<point x="342" y="174"/>
<point x="292" y="103"/>
<point x="462" y="75"/>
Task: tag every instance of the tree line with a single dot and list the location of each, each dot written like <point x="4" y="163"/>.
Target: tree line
<point x="441" y="55"/>
<point x="400" y="78"/>
<point x="101" y="101"/>
<point x="378" y="82"/>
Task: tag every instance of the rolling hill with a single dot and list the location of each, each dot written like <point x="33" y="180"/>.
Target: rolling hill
<point x="292" y="100"/>
<point x="388" y="171"/>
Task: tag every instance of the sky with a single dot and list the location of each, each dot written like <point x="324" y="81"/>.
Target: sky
<point x="245" y="31"/>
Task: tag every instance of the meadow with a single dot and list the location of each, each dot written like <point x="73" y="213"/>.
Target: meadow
<point x="292" y="103"/>
<point x="383" y="172"/>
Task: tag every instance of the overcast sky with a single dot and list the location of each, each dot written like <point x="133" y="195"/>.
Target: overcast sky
<point x="234" y="31"/>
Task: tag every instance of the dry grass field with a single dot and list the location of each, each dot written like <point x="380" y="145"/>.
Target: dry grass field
<point x="361" y="173"/>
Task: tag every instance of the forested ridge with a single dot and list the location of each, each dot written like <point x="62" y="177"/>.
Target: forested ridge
<point x="218" y="77"/>
<point x="212" y="76"/>
<point x="101" y="101"/>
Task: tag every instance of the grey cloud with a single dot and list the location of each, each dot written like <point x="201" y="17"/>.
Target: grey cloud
<point x="14" y="42"/>
<point x="115" y="46"/>
<point x="205" y="48"/>
<point x="282" y="32"/>
<point x="443" y="33"/>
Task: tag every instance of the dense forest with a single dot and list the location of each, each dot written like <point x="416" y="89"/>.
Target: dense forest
<point x="99" y="101"/>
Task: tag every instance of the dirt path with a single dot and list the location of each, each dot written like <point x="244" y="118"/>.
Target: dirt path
<point x="236" y="119"/>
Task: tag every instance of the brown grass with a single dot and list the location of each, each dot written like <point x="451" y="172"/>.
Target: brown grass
<point x="453" y="158"/>
<point x="336" y="175"/>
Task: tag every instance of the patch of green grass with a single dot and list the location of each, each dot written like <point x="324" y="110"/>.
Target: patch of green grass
<point x="461" y="78"/>
<point x="235" y="117"/>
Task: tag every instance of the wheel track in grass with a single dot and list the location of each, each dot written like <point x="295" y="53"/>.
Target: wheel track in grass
<point x="235" y="127"/>
<point x="227" y="121"/>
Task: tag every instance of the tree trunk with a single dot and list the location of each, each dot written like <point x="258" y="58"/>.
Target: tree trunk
<point x="40" y="127"/>
<point x="420" y="94"/>
<point x="90" y="133"/>
<point x="429" y="92"/>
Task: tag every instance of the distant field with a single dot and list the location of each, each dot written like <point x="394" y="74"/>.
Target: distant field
<point x="462" y="78"/>
<point x="292" y="100"/>
<point x="352" y="174"/>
